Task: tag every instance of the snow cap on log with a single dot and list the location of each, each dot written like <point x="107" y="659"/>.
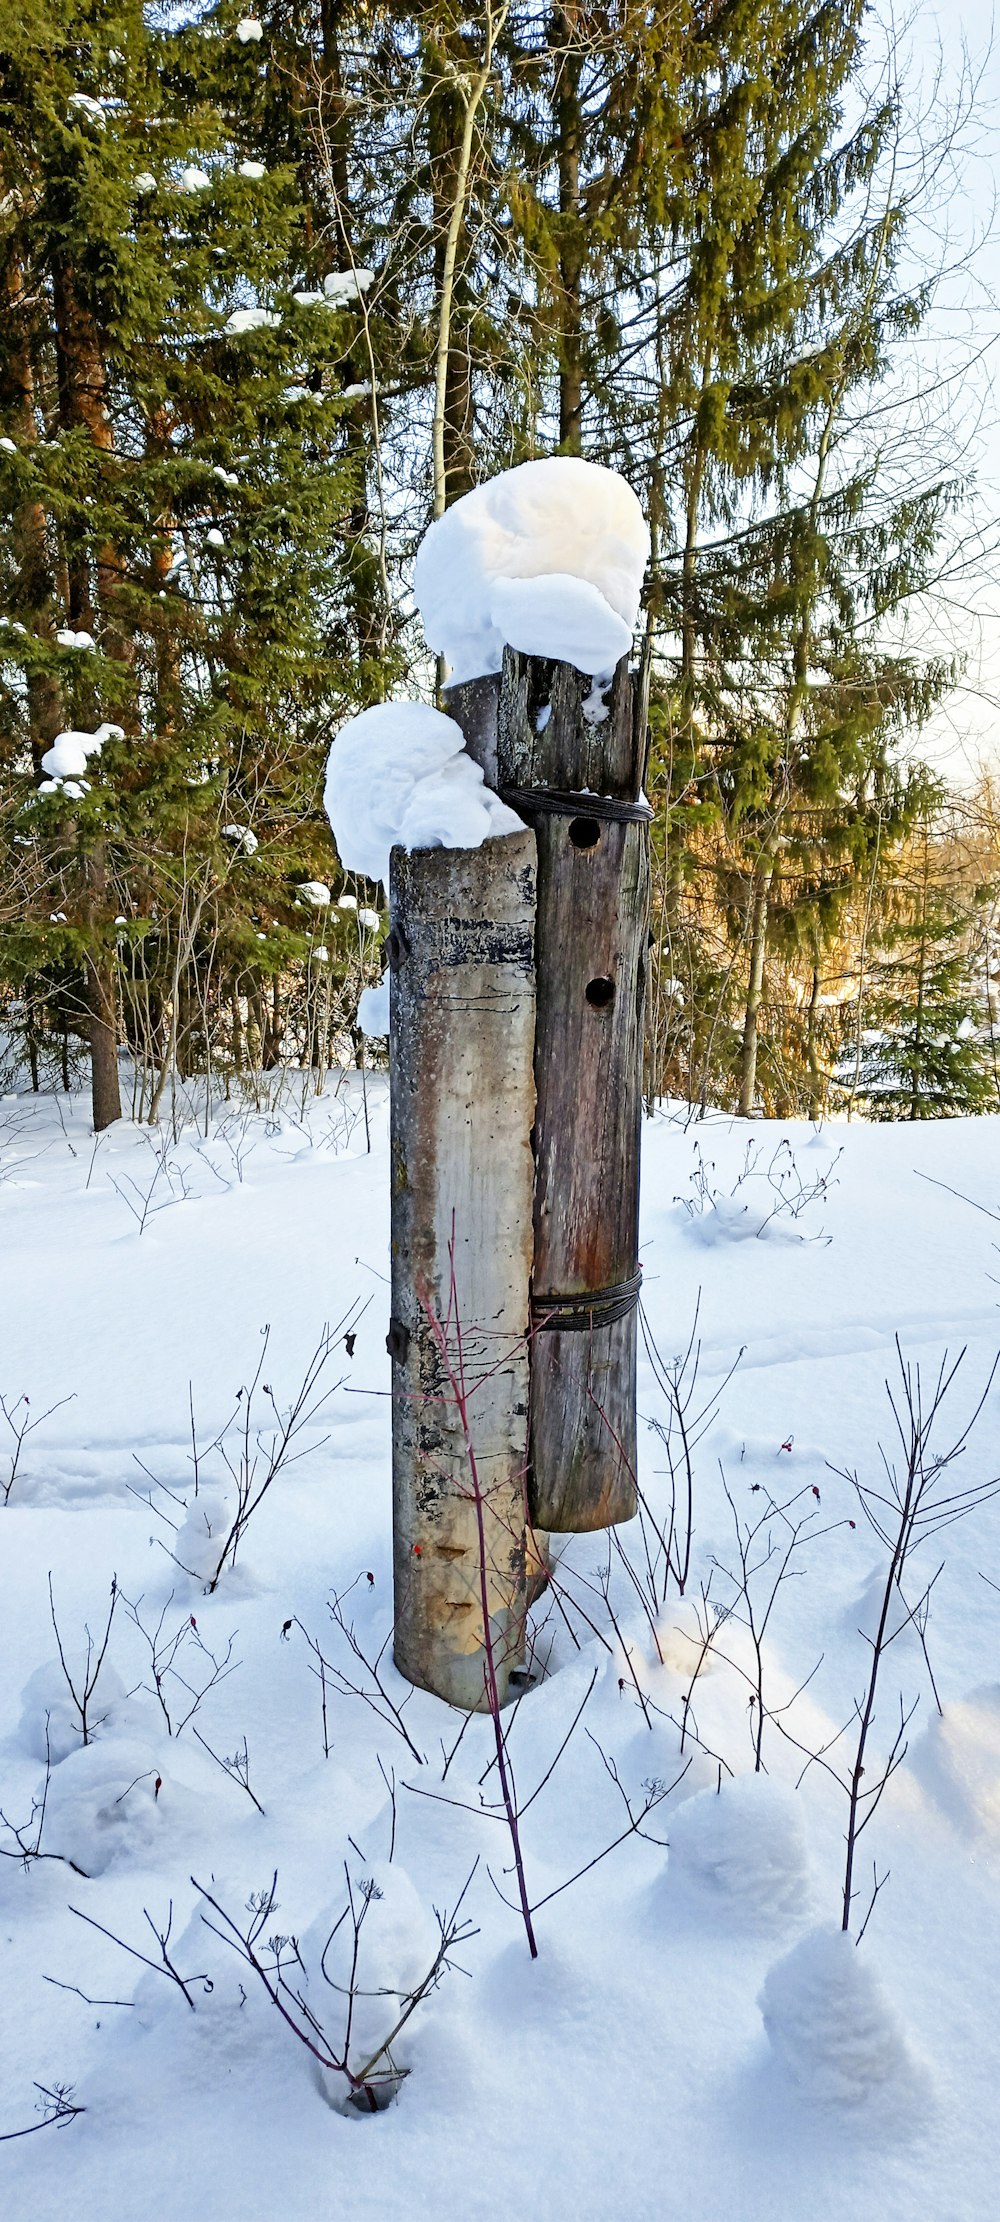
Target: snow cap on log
<point x="547" y="558"/>
<point x="399" y="774"/>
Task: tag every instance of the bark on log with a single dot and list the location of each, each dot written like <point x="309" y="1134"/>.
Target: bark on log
<point x="462" y="1005"/>
<point x="555" y="736"/>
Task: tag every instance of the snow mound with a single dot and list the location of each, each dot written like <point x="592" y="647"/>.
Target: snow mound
<point x="681" y="1634"/>
<point x="107" y="1804"/>
<point x="203" y="1531"/>
<point x="744" y="1848"/>
<point x="46" y="1698"/>
<point x="740" y="1219"/>
<point x="957" y="1760"/>
<point x="548" y="557"/>
<point x="866" y="1611"/>
<point x="397" y="1941"/>
<point x="830" y="2024"/>
<point x="399" y="773"/>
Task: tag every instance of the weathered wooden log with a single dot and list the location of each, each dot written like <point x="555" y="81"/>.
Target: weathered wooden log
<point x="572" y="762"/>
<point x="475" y="706"/>
<point x="462" y="1005"/>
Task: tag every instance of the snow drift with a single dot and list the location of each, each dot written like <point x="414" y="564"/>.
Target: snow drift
<point x="742" y="1851"/>
<point x="830" y="2024"/>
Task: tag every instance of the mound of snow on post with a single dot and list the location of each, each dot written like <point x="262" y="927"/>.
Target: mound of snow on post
<point x="744" y="1849"/>
<point x="399" y="773"/>
<point x="548" y="558"/>
<point x="535" y="614"/>
<point x="830" y="2024"/>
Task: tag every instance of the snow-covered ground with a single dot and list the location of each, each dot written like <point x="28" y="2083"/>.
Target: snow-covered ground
<point x="694" y="2037"/>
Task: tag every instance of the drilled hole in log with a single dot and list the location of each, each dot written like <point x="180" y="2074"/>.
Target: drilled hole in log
<point x="397" y="1341"/>
<point x="584" y="833"/>
<point x="600" y="994"/>
<point x="397" y="949"/>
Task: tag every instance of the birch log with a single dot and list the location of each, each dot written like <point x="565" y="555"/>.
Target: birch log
<point x="462" y="1006"/>
<point x="556" y="737"/>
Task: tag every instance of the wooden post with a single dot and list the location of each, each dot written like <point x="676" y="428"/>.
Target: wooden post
<point x="572" y="765"/>
<point x="462" y="1005"/>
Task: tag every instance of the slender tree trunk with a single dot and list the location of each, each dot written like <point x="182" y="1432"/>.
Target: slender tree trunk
<point x="106" y="1102"/>
<point x="271" y="1027"/>
<point x="918" y="1031"/>
<point x="689" y="602"/>
<point x="83" y="402"/>
<point x="570" y="133"/>
<point x="471" y="92"/>
<point x="101" y="997"/>
<point x="328" y="115"/>
<point x="237" y="1031"/>
<point x="755" y="985"/>
<point x="34" y="589"/>
<point x="812" y="1052"/>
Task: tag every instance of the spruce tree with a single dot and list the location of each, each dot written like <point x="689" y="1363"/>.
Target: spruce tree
<point x="925" y="1051"/>
<point x="784" y="548"/>
<point x="174" y="486"/>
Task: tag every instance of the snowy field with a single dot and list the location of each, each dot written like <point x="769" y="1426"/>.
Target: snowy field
<point x="632" y="2070"/>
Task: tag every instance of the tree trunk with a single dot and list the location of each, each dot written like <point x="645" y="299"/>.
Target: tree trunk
<point x="83" y="403"/>
<point x="918" y="1031"/>
<point x="461" y="1104"/>
<point x="812" y="1053"/>
<point x="237" y="1031"/>
<point x="454" y="109"/>
<point x="755" y="988"/>
<point x="101" y="998"/>
<point x="691" y="619"/>
<point x="106" y="1102"/>
<point x="34" y="589"/>
<point x="569" y="128"/>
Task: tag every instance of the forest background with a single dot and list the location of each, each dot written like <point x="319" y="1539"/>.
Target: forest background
<point x="276" y="289"/>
